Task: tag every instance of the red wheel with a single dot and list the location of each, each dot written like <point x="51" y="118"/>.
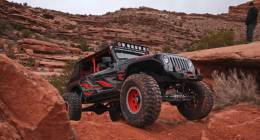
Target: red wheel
<point x="67" y="106"/>
<point x="134" y="100"/>
<point x="193" y="104"/>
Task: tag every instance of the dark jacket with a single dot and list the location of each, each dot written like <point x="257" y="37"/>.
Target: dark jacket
<point x="252" y="16"/>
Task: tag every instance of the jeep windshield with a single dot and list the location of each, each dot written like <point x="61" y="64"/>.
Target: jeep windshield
<point x="126" y="54"/>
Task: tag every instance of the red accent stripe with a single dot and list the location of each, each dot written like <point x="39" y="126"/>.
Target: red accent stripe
<point x="73" y="83"/>
<point x="88" y="93"/>
<point x="105" y="84"/>
<point x="97" y="67"/>
<point x="111" y="76"/>
<point x="142" y="57"/>
<point x="88" y="86"/>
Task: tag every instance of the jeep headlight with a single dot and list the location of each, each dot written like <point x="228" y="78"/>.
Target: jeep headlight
<point x="166" y="59"/>
<point x="190" y="63"/>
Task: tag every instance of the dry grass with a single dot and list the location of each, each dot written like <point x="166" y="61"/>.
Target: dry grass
<point x="234" y="87"/>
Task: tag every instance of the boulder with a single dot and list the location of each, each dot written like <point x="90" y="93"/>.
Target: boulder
<point x="42" y="49"/>
<point x="36" y="63"/>
<point x="30" y="107"/>
<point x="29" y="51"/>
<point x="75" y="45"/>
<point x="244" y="57"/>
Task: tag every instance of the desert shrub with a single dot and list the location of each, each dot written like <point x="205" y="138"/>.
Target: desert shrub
<point x="26" y="33"/>
<point x="3" y="26"/>
<point x="59" y="82"/>
<point x="168" y="42"/>
<point x="143" y="30"/>
<point x="234" y="87"/>
<point x="70" y="27"/>
<point x="30" y="61"/>
<point x="166" y="49"/>
<point x="57" y="22"/>
<point x="63" y="37"/>
<point x="241" y="41"/>
<point x="221" y="39"/>
<point x="10" y="51"/>
<point x="84" y="45"/>
<point x="25" y="4"/>
<point x="97" y="43"/>
<point x="180" y="49"/>
<point x="50" y="35"/>
<point x="104" y="45"/>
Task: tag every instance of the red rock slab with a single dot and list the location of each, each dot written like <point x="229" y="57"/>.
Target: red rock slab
<point x="53" y="64"/>
<point x="37" y="42"/>
<point x="75" y="50"/>
<point x="32" y="105"/>
<point x="42" y="48"/>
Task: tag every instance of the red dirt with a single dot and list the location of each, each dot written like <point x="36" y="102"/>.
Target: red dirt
<point x="238" y="122"/>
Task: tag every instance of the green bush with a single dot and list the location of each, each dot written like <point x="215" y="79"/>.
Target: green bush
<point x="84" y="45"/>
<point x="3" y="26"/>
<point x="30" y="61"/>
<point x="50" y="35"/>
<point x="70" y="27"/>
<point x="180" y="49"/>
<point x="104" y="45"/>
<point x="59" y="82"/>
<point x="57" y="22"/>
<point x="10" y="51"/>
<point x="221" y="39"/>
<point x="26" y="33"/>
<point x="63" y="37"/>
<point x="168" y="42"/>
<point x="143" y="30"/>
<point x="241" y="41"/>
<point x="166" y="49"/>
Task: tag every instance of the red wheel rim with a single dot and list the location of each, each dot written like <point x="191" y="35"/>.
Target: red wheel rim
<point x="134" y="100"/>
<point x="194" y="104"/>
<point x="67" y="106"/>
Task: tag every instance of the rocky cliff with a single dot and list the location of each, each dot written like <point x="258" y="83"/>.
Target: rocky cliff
<point x="30" y="108"/>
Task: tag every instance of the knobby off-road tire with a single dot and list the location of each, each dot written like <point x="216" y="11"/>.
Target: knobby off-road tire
<point x="140" y="100"/>
<point x="73" y="105"/>
<point x="204" y="101"/>
<point x="116" y="115"/>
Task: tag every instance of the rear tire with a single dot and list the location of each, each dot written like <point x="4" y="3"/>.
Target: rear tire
<point x="202" y="104"/>
<point x="73" y="105"/>
<point x="140" y="100"/>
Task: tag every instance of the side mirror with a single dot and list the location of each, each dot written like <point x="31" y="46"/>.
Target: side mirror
<point x="106" y="60"/>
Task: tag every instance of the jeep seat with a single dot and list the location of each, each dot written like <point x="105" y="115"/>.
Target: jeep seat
<point x="101" y="66"/>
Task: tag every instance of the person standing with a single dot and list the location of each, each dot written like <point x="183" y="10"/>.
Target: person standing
<point x="251" y="22"/>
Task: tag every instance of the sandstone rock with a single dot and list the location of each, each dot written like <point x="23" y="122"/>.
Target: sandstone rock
<point x="51" y="70"/>
<point x="53" y="64"/>
<point x="75" y="50"/>
<point x="32" y="109"/>
<point x="42" y="48"/>
<point x="29" y="51"/>
<point x="75" y="45"/>
<point x="36" y="63"/>
<point x="242" y="57"/>
<point x="37" y="42"/>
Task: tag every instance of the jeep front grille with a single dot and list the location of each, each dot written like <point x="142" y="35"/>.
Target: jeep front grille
<point x="181" y="63"/>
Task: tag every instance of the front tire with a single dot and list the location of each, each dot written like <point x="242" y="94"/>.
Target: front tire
<point x="140" y="100"/>
<point x="73" y="105"/>
<point x="202" y="104"/>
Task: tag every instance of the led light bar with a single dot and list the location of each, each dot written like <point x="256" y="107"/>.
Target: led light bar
<point x="132" y="46"/>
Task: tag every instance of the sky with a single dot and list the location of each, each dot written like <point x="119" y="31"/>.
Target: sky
<point x="100" y="7"/>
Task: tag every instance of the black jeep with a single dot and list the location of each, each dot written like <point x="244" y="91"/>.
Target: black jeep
<point x="131" y="84"/>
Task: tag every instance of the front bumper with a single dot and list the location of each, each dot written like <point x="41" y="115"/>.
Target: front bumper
<point x="177" y="76"/>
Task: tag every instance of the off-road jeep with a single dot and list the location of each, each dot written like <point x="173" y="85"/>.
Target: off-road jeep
<point x="131" y="84"/>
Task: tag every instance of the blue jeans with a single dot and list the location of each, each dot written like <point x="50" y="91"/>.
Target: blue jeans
<point x="250" y="32"/>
